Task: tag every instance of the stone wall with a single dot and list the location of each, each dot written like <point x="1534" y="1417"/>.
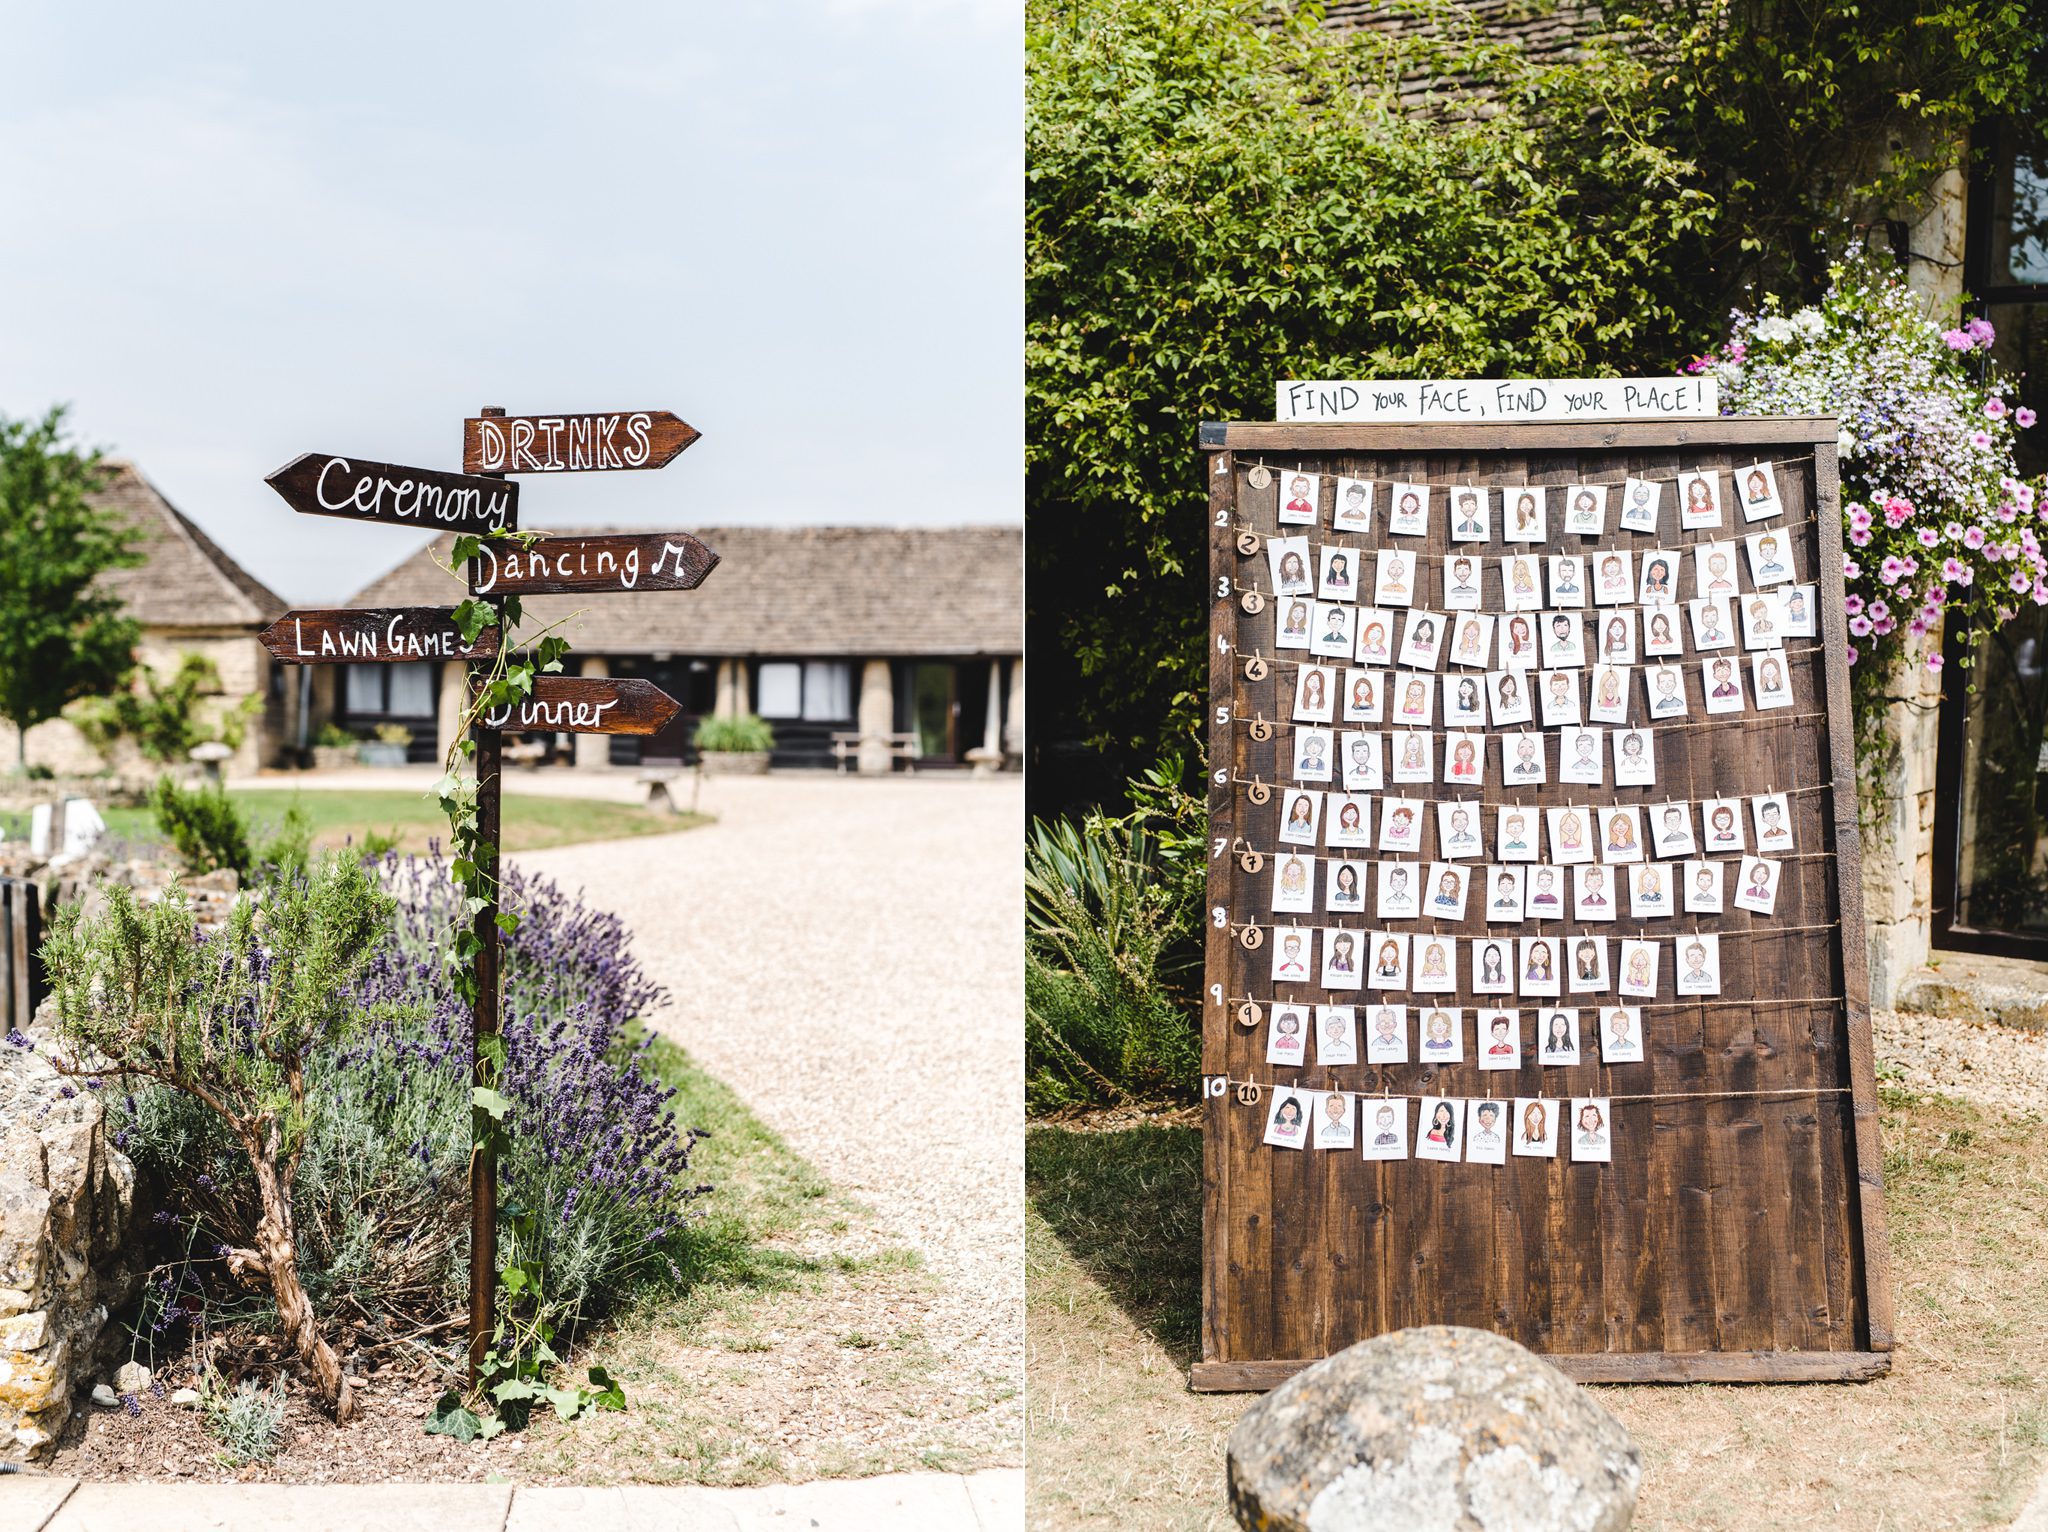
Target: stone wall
<point x="67" y="1199"/>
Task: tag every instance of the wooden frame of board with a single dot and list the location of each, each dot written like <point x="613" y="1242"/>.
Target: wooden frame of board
<point x="1739" y="1233"/>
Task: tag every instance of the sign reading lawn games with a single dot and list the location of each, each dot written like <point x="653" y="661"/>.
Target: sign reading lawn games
<point x="1535" y="993"/>
<point x="482" y="501"/>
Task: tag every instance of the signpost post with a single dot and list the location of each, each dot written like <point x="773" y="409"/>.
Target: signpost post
<point x="479" y="501"/>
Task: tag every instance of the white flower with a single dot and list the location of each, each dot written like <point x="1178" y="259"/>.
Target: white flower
<point x="1844" y="442"/>
<point x="1773" y="329"/>
<point x="1808" y="323"/>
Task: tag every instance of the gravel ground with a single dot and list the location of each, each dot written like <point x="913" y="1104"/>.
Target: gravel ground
<point x="1995" y="1066"/>
<point x="847" y="954"/>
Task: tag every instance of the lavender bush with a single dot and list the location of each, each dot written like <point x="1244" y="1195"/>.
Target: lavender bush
<point x="1937" y="519"/>
<point x="597" y="1154"/>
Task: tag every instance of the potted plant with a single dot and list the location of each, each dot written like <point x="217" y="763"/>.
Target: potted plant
<point x="734" y="746"/>
<point x="334" y="748"/>
<point x="388" y="748"/>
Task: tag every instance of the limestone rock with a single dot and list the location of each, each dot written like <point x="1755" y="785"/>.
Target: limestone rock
<point x="105" y="1397"/>
<point x="131" y="1378"/>
<point x="66" y="1199"/>
<point x="1438" y="1429"/>
<point x="185" y="1396"/>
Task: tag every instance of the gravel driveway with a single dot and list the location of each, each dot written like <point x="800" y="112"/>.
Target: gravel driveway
<point x="847" y="954"/>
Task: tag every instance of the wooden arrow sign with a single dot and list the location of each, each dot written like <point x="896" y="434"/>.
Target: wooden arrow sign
<point x="572" y="443"/>
<point x="321" y="484"/>
<point x="373" y="633"/>
<point x="589" y="706"/>
<point x="570" y="565"/>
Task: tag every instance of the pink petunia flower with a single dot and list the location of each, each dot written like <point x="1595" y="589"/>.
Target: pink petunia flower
<point x="1852" y="603"/>
<point x="1973" y="537"/>
<point x="1957" y="340"/>
<point x="1859" y="518"/>
<point x="1850" y="568"/>
<point x="1890" y="570"/>
<point x="1980" y="439"/>
<point x="1994" y="407"/>
<point x="1956" y="572"/>
<point x="1860" y="536"/>
<point x="1929" y="537"/>
<point x="1879" y="611"/>
<point x="2022" y="582"/>
<point x="1934" y="662"/>
<point x="2023" y="418"/>
<point x="1860" y="626"/>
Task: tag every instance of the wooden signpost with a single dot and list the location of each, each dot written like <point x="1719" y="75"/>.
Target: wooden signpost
<point x="322" y="484"/>
<point x="483" y="500"/>
<point x="497" y="443"/>
<point x="371" y="634"/>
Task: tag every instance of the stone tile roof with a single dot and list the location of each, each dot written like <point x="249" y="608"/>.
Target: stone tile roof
<point x="1542" y="31"/>
<point x="188" y="580"/>
<point x="871" y="592"/>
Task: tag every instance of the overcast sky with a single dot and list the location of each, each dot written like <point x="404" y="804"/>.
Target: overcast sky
<point x="233" y="233"/>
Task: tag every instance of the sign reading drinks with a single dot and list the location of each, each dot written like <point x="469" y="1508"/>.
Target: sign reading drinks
<point x="373" y="634"/>
<point x="572" y="443"/>
<point x="1429" y="401"/>
<point x="322" y="484"/>
<point x="567" y="565"/>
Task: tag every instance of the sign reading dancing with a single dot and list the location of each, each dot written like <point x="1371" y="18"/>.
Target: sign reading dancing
<point x="590" y="565"/>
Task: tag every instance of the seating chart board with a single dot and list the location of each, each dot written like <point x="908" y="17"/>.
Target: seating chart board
<point x="1535" y="996"/>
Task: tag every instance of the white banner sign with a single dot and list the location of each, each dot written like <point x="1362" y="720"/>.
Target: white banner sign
<point x="1424" y="400"/>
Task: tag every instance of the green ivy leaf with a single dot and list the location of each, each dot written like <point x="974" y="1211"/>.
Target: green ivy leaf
<point x="495" y="1106"/>
<point x="605" y="1392"/>
<point x="465" y="547"/>
<point x="450" y="1417"/>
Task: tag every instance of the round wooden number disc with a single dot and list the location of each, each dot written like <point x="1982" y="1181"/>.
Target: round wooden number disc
<point x="1258" y="792"/>
<point x="1261" y="730"/>
<point x="1247" y="543"/>
<point x="1250" y="860"/>
<point x="1254" y="602"/>
<point x="1248" y="1093"/>
<point x="1259" y="477"/>
<point x="1255" y="669"/>
<point x="1252" y="938"/>
<point x="1250" y="1014"/>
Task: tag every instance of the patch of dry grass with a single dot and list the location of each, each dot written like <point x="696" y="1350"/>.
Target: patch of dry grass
<point x="1953" y="1438"/>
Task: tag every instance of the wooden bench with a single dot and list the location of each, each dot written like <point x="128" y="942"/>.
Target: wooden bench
<point x="902" y="747"/>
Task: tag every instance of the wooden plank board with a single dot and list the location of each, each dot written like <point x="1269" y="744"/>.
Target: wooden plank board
<point x="370" y="634"/>
<point x="582" y="443"/>
<point x="1607" y="1367"/>
<point x="326" y="484"/>
<point x="580" y="705"/>
<point x="1732" y="1236"/>
<point x="567" y="564"/>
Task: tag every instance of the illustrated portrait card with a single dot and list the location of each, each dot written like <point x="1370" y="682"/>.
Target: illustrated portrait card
<point x="1666" y="686"/>
<point x="1615" y="643"/>
<point x="1579" y="755"/>
<point x="1592" y="1140"/>
<point x="1445" y="899"/>
<point x="1461" y="582"/>
<point x="1770" y="559"/>
<point x="1500" y="1039"/>
<point x="1493" y="968"/>
<point x="1521" y="580"/>
<point x="1437" y="1135"/>
<point x="1545" y="897"/>
<point x="1365" y="696"/>
<point x="1465" y="755"/>
<point x="1472" y="640"/>
<point x="1335" y="1126"/>
<point x="1536" y="1126"/>
<point x="1757" y="488"/>
<point x="1722" y="684"/>
<point x="1389" y="960"/>
<point x="1661" y="634"/>
<point x="1558" y="1033"/>
<point x="1288" y="557"/>
<point x="1386" y="1128"/>
<point x="1638" y="977"/>
<point x="1312" y="754"/>
<point x="1757" y="887"/>
<point x="1609" y="700"/>
<point x="1800" y="618"/>
<point x="1660" y="579"/>
<point x="1635" y="761"/>
<point x="1315" y="694"/>
<point x="1471" y="516"/>
<point x="1593" y="890"/>
<point x="1699" y="964"/>
<point x="1523" y="510"/>
<point x="1522" y="757"/>
<point x="1398" y="891"/>
<point x="1586" y="971"/>
<point x="1699" y="501"/>
<point x="1622" y="834"/>
<point x="1386" y="1037"/>
<point x="1393" y="580"/>
<point x="1291" y="623"/>
<point x="1436" y="965"/>
<point x="1703" y="887"/>
<point x="1353" y="510"/>
<point x="1342" y="961"/>
<point x="1486" y="1134"/>
<point x="1300" y="495"/>
<point x="1507" y="696"/>
<point x="1763" y="620"/>
<point x="1564" y="639"/>
<point x="1351" y="816"/>
<point x="1339" y="581"/>
<point x="1336" y="1034"/>
<point x="1294" y="884"/>
<point x="1571" y="836"/>
<point x="1639" y="505"/>
<point x="1408" y="510"/>
<point x="1414" y="754"/>
<point x="1414" y="699"/>
<point x="1422" y="640"/>
<point x="1517" y="831"/>
<point x="1287" y="1118"/>
<point x="1504" y="893"/>
<point x="1443" y="1035"/>
<point x="1400" y="824"/>
<point x="1293" y="951"/>
<point x="1773" y="815"/>
<point x="1287" y="1041"/>
<point x="1614" y="580"/>
<point x="1465" y="701"/>
<point x="1345" y="889"/>
<point x="1559" y="690"/>
<point x="1722" y="819"/>
<point x="1457" y="830"/>
<point x="1567" y="572"/>
<point x="1713" y="569"/>
<point x="1303" y="814"/>
<point x="1671" y="829"/>
<point x="1651" y="894"/>
<point x="1585" y="510"/>
<point x="1537" y="957"/>
<point x="1712" y="626"/>
<point x="1773" y="684"/>
<point x="1375" y="636"/>
<point x="1621" y="1035"/>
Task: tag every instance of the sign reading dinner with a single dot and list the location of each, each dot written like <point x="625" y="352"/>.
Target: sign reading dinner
<point x="1428" y="401"/>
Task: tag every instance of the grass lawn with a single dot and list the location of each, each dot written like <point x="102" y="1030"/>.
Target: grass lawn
<point x="1954" y="1437"/>
<point x="411" y="819"/>
<point x="791" y="1350"/>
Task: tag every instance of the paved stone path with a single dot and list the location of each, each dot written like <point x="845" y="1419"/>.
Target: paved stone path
<point x="982" y="1502"/>
<point x="847" y="954"/>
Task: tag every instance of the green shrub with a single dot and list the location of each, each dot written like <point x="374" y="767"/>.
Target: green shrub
<point x="203" y="825"/>
<point x="162" y="715"/>
<point x="393" y="734"/>
<point x="333" y="736"/>
<point x="1107" y="939"/>
<point x="740" y="732"/>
